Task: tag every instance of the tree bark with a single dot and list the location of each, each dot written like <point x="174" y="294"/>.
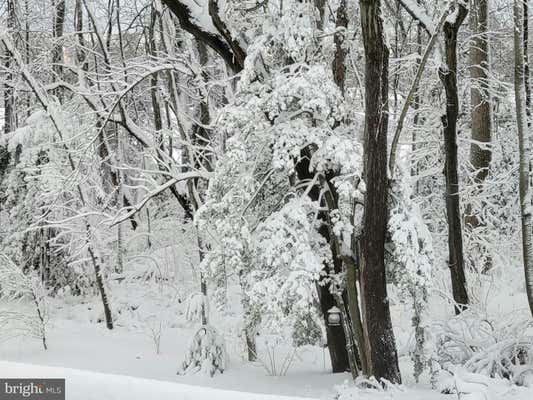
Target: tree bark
<point x="525" y="36"/>
<point x="339" y="60"/>
<point x="379" y="336"/>
<point x="57" y="49"/>
<point x="479" y="92"/>
<point x="335" y="335"/>
<point x="480" y="107"/>
<point x="524" y="145"/>
<point x="9" y="94"/>
<point x="448" y="76"/>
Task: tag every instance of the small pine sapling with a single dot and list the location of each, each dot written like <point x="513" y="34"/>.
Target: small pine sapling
<point x="207" y="353"/>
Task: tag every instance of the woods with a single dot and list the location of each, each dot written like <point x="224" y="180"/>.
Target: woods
<point x="271" y="180"/>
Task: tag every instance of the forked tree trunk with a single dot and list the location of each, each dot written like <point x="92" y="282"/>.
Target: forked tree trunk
<point x="379" y="336"/>
<point x="448" y="76"/>
<point x="524" y="149"/>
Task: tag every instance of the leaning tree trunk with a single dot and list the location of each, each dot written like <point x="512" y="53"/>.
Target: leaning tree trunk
<point x="335" y="335"/>
<point x="448" y="76"/>
<point x="350" y="264"/>
<point x="379" y="336"/>
<point x="524" y="149"/>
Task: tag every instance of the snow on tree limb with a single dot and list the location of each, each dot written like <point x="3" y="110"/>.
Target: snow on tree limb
<point x="418" y="13"/>
<point x="181" y="177"/>
<point x="204" y="23"/>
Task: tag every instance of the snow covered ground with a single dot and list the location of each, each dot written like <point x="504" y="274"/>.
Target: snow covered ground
<point x="125" y="351"/>
<point x="102" y="364"/>
<point x="122" y="364"/>
<point x="84" y="385"/>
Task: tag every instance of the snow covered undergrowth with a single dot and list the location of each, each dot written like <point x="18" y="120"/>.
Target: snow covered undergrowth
<point x="126" y="353"/>
<point x="78" y="339"/>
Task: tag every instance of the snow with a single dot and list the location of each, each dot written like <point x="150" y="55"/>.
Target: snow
<point x="129" y="352"/>
<point x="199" y="10"/>
<point x="85" y="385"/>
<point x="106" y="364"/>
<point x="419" y="13"/>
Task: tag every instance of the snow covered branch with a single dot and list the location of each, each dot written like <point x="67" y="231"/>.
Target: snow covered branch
<point x="204" y="23"/>
<point x="170" y="183"/>
<point x="419" y="14"/>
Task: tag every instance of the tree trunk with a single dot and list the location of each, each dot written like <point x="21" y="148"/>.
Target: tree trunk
<point x="526" y="62"/>
<point x="99" y="280"/>
<point x="379" y="336"/>
<point x="480" y="105"/>
<point x="479" y="92"/>
<point x="448" y="76"/>
<point x="9" y="95"/>
<point x="339" y="60"/>
<point x="335" y="335"/>
<point x="524" y="145"/>
<point x="336" y="340"/>
<point x="57" y="50"/>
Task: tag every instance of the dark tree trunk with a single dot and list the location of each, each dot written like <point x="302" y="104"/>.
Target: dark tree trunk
<point x="9" y="98"/>
<point x="57" y="50"/>
<point x="100" y="285"/>
<point x="336" y="338"/>
<point x="339" y="60"/>
<point x="221" y="42"/>
<point x="525" y="36"/>
<point x="448" y="76"/>
<point x="479" y="93"/>
<point x="381" y="348"/>
<point x="480" y="104"/>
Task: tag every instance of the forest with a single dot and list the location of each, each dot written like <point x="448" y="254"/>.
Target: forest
<point x="267" y="199"/>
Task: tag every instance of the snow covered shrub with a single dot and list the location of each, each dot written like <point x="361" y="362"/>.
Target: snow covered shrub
<point x="497" y="348"/>
<point x="289" y="255"/>
<point x="207" y="353"/>
<point x="15" y="286"/>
